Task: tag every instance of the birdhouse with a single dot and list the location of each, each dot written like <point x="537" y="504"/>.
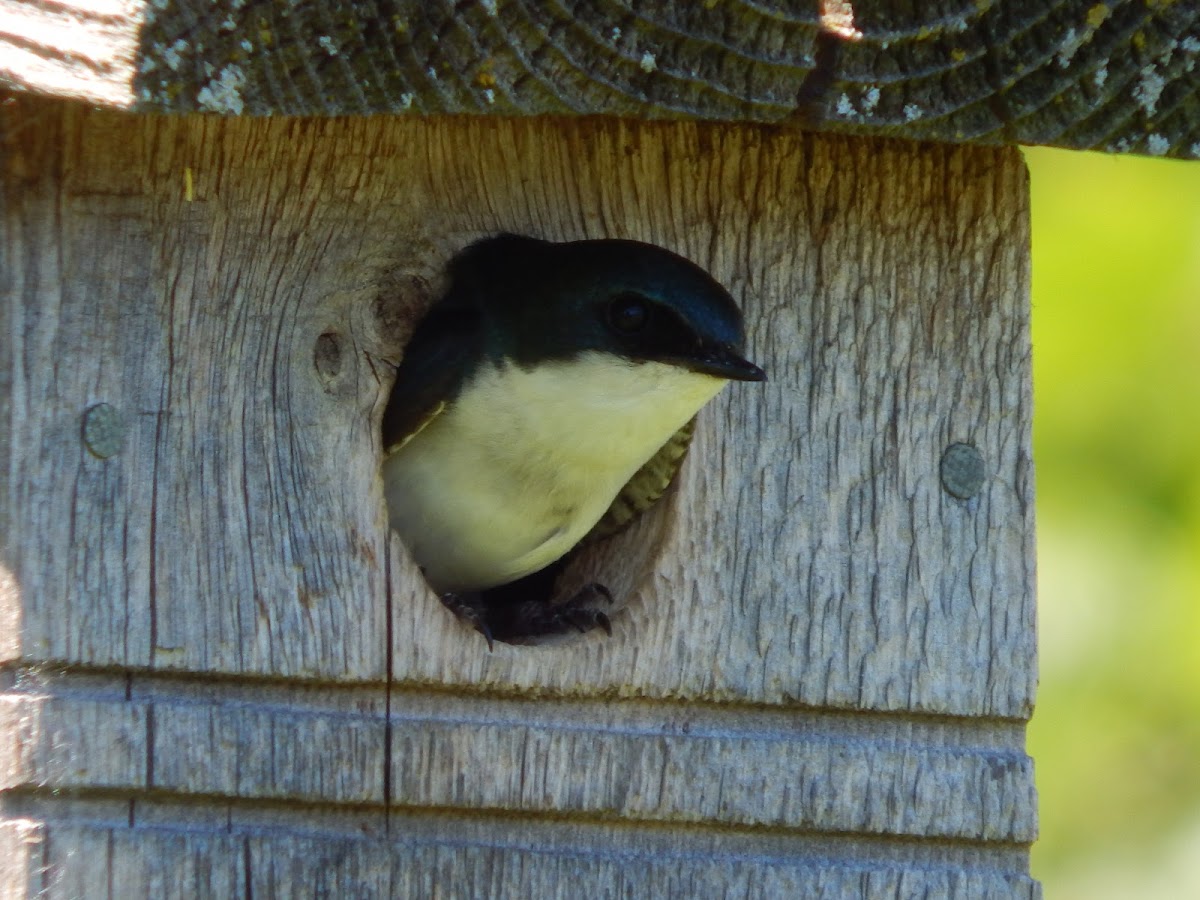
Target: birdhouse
<point x="225" y="676"/>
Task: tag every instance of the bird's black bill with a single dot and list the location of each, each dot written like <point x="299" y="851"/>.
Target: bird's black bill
<point x="721" y="361"/>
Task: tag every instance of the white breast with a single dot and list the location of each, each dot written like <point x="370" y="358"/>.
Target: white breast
<point x="515" y="472"/>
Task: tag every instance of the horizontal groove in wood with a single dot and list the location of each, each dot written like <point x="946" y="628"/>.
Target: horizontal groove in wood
<point x="63" y="860"/>
<point x="715" y="720"/>
<point x="821" y="772"/>
<point x="985" y="734"/>
<point x="822" y="786"/>
<point x="465" y="830"/>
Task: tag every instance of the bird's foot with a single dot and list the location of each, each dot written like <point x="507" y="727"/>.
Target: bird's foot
<point x="582" y="612"/>
<point x="471" y="608"/>
<point x="498" y="617"/>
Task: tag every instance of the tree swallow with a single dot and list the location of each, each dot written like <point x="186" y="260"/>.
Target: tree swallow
<point x="552" y="384"/>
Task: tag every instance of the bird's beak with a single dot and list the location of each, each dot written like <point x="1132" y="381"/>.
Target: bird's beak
<point x="721" y="360"/>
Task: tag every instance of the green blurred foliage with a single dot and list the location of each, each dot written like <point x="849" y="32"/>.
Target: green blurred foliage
<point x="1116" y="339"/>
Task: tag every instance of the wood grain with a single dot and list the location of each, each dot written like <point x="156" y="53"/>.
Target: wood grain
<point x="224" y="677"/>
<point x="161" y="863"/>
<point x="882" y="591"/>
<point x="129" y="561"/>
<point x="667" y="763"/>
<point x="20" y="846"/>
<point x="1120" y="76"/>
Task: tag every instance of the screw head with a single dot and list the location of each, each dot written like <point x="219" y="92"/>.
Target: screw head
<point x="103" y="430"/>
<point x="963" y="471"/>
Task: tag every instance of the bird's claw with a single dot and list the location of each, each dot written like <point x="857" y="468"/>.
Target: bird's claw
<point x="482" y="628"/>
<point x="517" y="622"/>
<point x="470" y="609"/>
<point x="580" y="612"/>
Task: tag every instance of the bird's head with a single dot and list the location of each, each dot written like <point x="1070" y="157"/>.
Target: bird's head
<point x="550" y="302"/>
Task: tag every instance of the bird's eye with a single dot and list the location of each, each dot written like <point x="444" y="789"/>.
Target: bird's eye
<point x="628" y="313"/>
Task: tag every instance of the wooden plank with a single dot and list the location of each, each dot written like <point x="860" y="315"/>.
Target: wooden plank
<point x="825" y="563"/>
<point x="10" y="600"/>
<point x="313" y="869"/>
<point x="144" y="865"/>
<point x="645" y="762"/>
<point x="20" y="859"/>
<point x="96" y="43"/>
<point x="92" y="736"/>
<point x="883" y="591"/>
<point x="156" y="862"/>
<point x="740" y="767"/>
<point x="254" y="752"/>
<point x="227" y="533"/>
<point x="71" y="743"/>
<point x="1118" y="76"/>
<point x="821" y="645"/>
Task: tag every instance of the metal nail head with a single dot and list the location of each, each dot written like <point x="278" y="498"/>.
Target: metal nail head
<point x="103" y="430"/>
<point x="963" y="471"/>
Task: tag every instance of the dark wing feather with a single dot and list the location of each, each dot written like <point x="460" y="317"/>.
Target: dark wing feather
<point x="444" y="350"/>
<point x="646" y="486"/>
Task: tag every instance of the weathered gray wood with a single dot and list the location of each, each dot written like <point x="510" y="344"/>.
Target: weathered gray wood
<point x="229" y="534"/>
<point x="121" y="863"/>
<point x="657" y="762"/>
<point x="20" y="843"/>
<point x="515" y="860"/>
<point x="646" y="762"/>
<point x="821" y="678"/>
<point x="71" y="743"/>
<point x="825" y="563"/>
<point x="241" y="528"/>
<point x="1118" y="76"/>
<point x="254" y="752"/>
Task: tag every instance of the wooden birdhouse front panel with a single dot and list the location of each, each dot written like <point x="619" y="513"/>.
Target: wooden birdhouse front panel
<point x="224" y="677"/>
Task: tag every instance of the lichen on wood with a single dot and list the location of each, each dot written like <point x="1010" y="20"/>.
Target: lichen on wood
<point x="1118" y="76"/>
